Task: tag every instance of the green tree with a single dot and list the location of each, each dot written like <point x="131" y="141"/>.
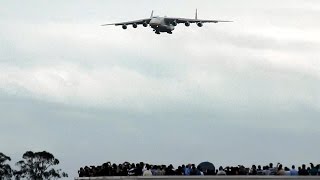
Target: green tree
<point x="5" y="169"/>
<point x="38" y="166"/>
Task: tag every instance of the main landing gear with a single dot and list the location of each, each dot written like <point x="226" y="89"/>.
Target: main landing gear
<point x="158" y="32"/>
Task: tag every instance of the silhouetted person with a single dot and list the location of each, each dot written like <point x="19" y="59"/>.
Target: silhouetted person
<point x="303" y="171"/>
<point x="179" y="171"/>
<point x="194" y="170"/>
<point x="280" y="171"/>
<point x="287" y="171"/>
<point x="221" y="172"/>
<point x="293" y="171"/>
<point x="253" y="170"/>
<point x="313" y="170"/>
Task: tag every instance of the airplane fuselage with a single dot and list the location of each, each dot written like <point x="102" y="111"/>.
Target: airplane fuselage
<point x="159" y="24"/>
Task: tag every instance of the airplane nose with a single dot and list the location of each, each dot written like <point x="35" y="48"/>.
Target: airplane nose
<point x="154" y="24"/>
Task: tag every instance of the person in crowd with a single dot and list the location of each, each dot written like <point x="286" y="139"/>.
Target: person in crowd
<point x="293" y="171"/>
<point x="280" y="171"/>
<point x="187" y="170"/>
<point x="266" y="171"/>
<point x="253" y="170"/>
<point x="313" y="170"/>
<point x="194" y="170"/>
<point x="273" y="170"/>
<point x="147" y="171"/>
<point x="227" y="170"/>
<point x="138" y="170"/>
<point x="287" y="171"/>
<point x="200" y="172"/>
<point x="132" y="169"/>
<point x="154" y="170"/>
<point x="221" y="172"/>
<point x="259" y="171"/>
<point x="163" y="170"/>
<point x="303" y="171"/>
<point x="242" y="170"/>
<point x="179" y="171"/>
<point x="169" y="171"/>
<point x="81" y="172"/>
<point x="183" y="169"/>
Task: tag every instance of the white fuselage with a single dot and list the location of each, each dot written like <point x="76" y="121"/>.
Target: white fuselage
<point x="159" y="24"/>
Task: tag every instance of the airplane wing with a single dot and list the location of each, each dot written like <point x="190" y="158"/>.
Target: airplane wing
<point x="185" y="20"/>
<point x="140" y="21"/>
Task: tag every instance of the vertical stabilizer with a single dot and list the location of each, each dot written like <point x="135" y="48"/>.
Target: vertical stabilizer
<point x="151" y="14"/>
<point x="196" y="14"/>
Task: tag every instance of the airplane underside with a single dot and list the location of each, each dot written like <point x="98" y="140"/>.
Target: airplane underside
<point x="160" y="29"/>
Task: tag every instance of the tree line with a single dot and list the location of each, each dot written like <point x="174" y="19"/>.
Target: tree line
<point x="33" y="166"/>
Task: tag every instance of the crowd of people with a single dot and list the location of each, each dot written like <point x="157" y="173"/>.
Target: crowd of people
<point x="144" y="169"/>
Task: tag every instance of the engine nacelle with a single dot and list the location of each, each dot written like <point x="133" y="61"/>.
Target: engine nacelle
<point x="200" y="24"/>
<point x="187" y="24"/>
<point x="134" y="25"/>
<point x="124" y="26"/>
<point x="145" y="24"/>
<point x="174" y="23"/>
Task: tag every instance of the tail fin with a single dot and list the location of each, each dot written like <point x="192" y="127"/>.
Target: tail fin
<point x="196" y="14"/>
<point x="151" y="14"/>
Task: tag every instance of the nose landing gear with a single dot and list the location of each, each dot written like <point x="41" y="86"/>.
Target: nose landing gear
<point x="156" y="31"/>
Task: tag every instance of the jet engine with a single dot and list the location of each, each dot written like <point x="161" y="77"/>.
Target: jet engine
<point x="134" y="25"/>
<point x="124" y="26"/>
<point x="145" y="24"/>
<point x="200" y="24"/>
<point x="174" y="23"/>
<point x="187" y="24"/>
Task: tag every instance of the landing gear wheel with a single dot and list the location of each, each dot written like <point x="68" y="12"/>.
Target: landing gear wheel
<point x="169" y="32"/>
<point x="157" y="32"/>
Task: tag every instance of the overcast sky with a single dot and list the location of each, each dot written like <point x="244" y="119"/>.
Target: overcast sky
<point x="234" y="93"/>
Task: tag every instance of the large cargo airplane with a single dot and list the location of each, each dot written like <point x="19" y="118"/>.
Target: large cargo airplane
<point x="164" y="24"/>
